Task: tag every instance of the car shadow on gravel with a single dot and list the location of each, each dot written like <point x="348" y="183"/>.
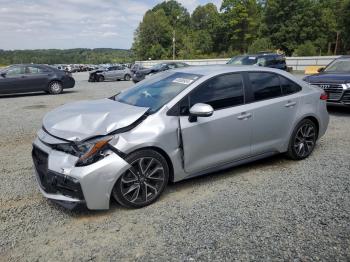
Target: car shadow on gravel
<point x="339" y="110"/>
<point x="181" y="186"/>
<point x="34" y="94"/>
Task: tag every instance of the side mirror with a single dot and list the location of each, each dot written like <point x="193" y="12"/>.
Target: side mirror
<point x="321" y="69"/>
<point x="200" y="110"/>
<point x="3" y="74"/>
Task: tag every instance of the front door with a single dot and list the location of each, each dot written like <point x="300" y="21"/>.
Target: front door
<point x="12" y="80"/>
<point x="36" y="78"/>
<point x="223" y="137"/>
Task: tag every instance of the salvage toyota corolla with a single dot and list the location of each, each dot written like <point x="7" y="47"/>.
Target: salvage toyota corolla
<point x="173" y="126"/>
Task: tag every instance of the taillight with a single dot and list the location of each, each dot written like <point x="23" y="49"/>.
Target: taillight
<point x="324" y="96"/>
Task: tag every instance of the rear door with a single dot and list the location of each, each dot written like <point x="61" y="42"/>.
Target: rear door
<point x="274" y="105"/>
<point x="119" y="73"/>
<point x="223" y="137"/>
<point x="110" y="73"/>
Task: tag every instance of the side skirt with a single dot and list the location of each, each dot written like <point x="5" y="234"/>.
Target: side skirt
<point x="232" y="164"/>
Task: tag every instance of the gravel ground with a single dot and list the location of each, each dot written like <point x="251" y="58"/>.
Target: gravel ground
<point x="274" y="209"/>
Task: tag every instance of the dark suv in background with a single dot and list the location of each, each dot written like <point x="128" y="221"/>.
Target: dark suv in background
<point x="32" y="77"/>
<point x="261" y="59"/>
<point x="335" y="80"/>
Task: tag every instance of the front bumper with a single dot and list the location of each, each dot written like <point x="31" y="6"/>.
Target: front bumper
<point x="60" y="180"/>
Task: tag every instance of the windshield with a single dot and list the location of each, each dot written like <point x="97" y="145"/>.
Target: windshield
<point x="4" y="68"/>
<point x="243" y="60"/>
<point x="339" y="66"/>
<point x="157" y="91"/>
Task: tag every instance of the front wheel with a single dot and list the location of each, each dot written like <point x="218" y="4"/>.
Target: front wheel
<point x="144" y="182"/>
<point x="55" y="88"/>
<point x="101" y="79"/>
<point x="303" y="140"/>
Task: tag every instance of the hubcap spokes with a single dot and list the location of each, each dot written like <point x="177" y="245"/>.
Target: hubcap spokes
<point x="56" y="87"/>
<point x="305" y="140"/>
<point x="143" y="180"/>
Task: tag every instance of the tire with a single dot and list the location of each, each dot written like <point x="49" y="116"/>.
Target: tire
<point x="144" y="182"/>
<point x="101" y="78"/>
<point x="55" y="88"/>
<point x="303" y="140"/>
<point x="127" y="77"/>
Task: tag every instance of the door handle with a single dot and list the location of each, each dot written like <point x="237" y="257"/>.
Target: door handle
<point x="244" y="116"/>
<point x="290" y="104"/>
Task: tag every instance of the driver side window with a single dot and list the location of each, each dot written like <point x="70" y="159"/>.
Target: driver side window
<point x="220" y="92"/>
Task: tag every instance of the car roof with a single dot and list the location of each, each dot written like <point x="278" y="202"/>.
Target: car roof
<point x="344" y="57"/>
<point x="208" y="70"/>
<point x="29" y="65"/>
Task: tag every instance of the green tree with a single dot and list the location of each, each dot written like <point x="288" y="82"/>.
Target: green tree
<point x="153" y="37"/>
<point x="241" y="20"/>
<point x="306" y="49"/>
<point x="205" y="22"/>
<point x="261" y="44"/>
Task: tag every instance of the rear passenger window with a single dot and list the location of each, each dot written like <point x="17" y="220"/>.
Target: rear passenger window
<point x="265" y="86"/>
<point x="220" y="92"/>
<point x="288" y="86"/>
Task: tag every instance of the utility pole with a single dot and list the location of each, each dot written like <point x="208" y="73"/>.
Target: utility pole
<point x="174" y="38"/>
<point x="336" y="43"/>
<point x="174" y="44"/>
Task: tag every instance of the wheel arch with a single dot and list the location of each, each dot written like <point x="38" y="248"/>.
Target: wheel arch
<point x="164" y="154"/>
<point x="315" y="121"/>
<point x="54" y="80"/>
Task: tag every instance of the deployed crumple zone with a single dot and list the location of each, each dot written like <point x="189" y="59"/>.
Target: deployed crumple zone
<point x="175" y="125"/>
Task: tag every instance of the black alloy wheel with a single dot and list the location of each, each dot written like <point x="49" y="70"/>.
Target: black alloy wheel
<point x="144" y="181"/>
<point x="303" y="140"/>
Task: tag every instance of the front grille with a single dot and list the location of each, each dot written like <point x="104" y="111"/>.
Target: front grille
<point x="334" y="91"/>
<point x="53" y="182"/>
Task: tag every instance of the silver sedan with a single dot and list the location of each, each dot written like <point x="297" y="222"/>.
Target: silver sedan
<point x="173" y="126"/>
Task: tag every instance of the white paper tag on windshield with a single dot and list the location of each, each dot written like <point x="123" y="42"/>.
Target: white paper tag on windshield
<point x="252" y="57"/>
<point x="183" y="81"/>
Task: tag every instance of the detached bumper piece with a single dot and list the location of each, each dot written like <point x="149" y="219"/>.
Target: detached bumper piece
<point x="55" y="183"/>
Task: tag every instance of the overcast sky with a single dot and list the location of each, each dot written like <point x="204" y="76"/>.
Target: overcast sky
<point x="35" y="24"/>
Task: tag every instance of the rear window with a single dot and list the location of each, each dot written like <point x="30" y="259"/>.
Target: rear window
<point x="265" y="85"/>
<point x="288" y="86"/>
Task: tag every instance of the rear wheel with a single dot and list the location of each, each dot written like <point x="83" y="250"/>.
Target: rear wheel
<point x="303" y="140"/>
<point x="127" y="77"/>
<point x="55" y="88"/>
<point x="144" y="182"/>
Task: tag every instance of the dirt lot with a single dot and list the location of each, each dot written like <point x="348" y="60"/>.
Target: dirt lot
<point x="275" y="209"/>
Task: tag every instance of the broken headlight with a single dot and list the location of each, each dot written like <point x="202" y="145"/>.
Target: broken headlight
<point x="88" y="152"/>
<point x="92" y="151"/>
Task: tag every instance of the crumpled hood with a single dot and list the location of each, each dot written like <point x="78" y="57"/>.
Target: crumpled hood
<point x="81" y="120"/>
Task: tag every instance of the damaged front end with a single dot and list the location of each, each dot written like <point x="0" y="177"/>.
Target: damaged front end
<point x="74" y="157"/>
<point x="72" y="174"/>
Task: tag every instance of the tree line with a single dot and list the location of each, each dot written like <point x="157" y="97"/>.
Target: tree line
<point x="298" y="27"/>
<point x="66" y="56"/>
